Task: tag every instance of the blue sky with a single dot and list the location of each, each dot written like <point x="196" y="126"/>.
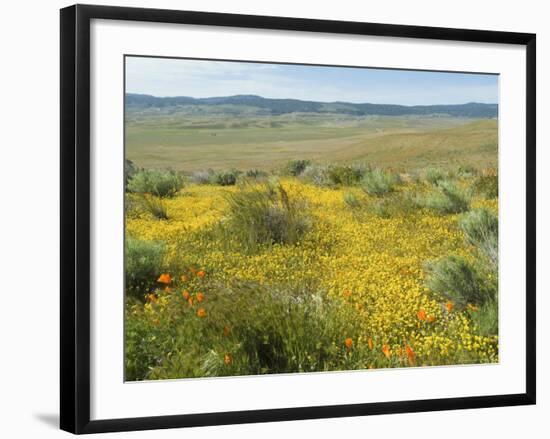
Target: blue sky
<point x="197" y="78"/>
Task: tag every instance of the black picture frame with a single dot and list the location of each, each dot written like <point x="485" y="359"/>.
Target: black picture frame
<point x="75" y="217"/>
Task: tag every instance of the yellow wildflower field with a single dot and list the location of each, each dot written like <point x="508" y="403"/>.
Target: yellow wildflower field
<point x="370" y="266"/>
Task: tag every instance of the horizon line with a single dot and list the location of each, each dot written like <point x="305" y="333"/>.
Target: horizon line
<point x="307" y="100"/>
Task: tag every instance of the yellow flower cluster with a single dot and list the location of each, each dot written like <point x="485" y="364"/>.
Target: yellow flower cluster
<point x="374" y="264"/>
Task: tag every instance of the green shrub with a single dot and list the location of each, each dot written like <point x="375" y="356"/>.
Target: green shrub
<point x="203" y="176"/>
<point x="317" y="175"/>
<point x="143" y="265"/>
<point x="459" y="281"/>
<point x="156" y="206"/>
<point x="155" y="182"/>
<point x="486" y="185"/>
<point x="296" y="167"/>
<point x="266" y="215"/>
<point x="225" y="178"/>
<point x="248" y="329"/>
<point x="129" y="171"/>
<point x="480" y="228"/>
<point x="435" y="175"/>
<point x="342" y="175"/>
<point x="352" y="200"/>
<point x="466" y="171"/>
<point x="378" y="182"/>
<point x="448" y="199"/>
<point x="394" y="204"/>
<point x="485" y="318"/>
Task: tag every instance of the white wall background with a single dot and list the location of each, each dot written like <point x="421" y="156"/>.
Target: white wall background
<point x="29" y="186"/>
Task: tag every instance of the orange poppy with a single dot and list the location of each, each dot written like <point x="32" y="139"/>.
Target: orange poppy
<point x="449" y="306"/>
<point x="421" y="314"/>
<point x="151" y="298"/>
<point x="347" y="294"/>
<point x="192" y="270"/>
<point x="185" y="294"/>
<point x="349" y="343"/>
<point x="226" y="331"/>
<point x="228" y="359"/>
<point x="201" y="273"/>
<point x="370" y="343"/>
<point x="410" y="354"/>
<point x="386" y="350"/>
<point x="190" y="301"/>
<point x="200" y="297"/>
<point x="201" y="312"/>
<point x="164" y="278"/>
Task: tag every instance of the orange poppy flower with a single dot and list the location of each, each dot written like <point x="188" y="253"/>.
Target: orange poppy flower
<point x="347" y="294"/>
<point x="164" y="278"/>
<point x="449" y="306"/>
<point x="386" y="350"/>
<point x="349" y="343"/>
<point x="228" y="359"/>
<point x="370" y="343"/>
<point x="201" y="273"/>
<point x="151" y="298"/>
<point x="192" y="270"/>
<point x="226" y="331"/>
<point x="190" y="301"/>
<point x="200" y="297"/>
<point x="201" y="312"/>
<point x="421" y="314"/>
<point x="410" y="354"/>
<point x="185" y="294"/>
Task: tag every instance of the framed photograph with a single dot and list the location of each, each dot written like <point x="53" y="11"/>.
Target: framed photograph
<point x="268" y="218"/>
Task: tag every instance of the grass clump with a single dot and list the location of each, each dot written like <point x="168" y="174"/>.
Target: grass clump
<point x="143" y="265"/>
<point x="480" y="228"/>
<point x="435" y="175"/>
<point x="352" y="200"/>
<point x="161" y="183"/>
<point x="379" y="182"/>
<point x="448" y="199"/>
<point x="225" y="178"/>
<point x="242" y="329"/>
<point x="296" y="167"/>
<point x="486" y="185"/>
<point x="266" y="214"/>
<point x="458" y="280"/>
<point x="343" y="175"/>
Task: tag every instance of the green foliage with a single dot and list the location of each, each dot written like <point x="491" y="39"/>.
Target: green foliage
<point x="248" y="330"/>
<point x="266" y="215"/>
<point x="156" y="206"/>
<point x="459" y="281"/>
<point x="466" y="171"/>
<point x="143" y="265"/>
<point x="129" y="171"/>
<point x="352" y="200"/>
<point x="378" y="182"/>
<point x="343" y="175"/>
<point x="435" y="175"/>
<point x="486" y="185"/>
<point x="225" y="178"/>
<point x="157" y="182"/>
<point x="256" y="174"/>
<point x="394" y="204"/>
<point x="203" y="176"/>
<point x="296" y="167"/>
<point x="448" y="199"/>
<point x="485" y="318"/>
<point x="480" y="227"/>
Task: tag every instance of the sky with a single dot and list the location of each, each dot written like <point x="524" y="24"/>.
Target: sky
<point x="199" y="78"/>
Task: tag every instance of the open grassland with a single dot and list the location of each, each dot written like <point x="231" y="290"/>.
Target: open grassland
<point x="338" y="281"/>
<point x="192" y="142"/>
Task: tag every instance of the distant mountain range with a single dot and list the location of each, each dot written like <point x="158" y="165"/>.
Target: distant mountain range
<point x="266" y="106"/>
